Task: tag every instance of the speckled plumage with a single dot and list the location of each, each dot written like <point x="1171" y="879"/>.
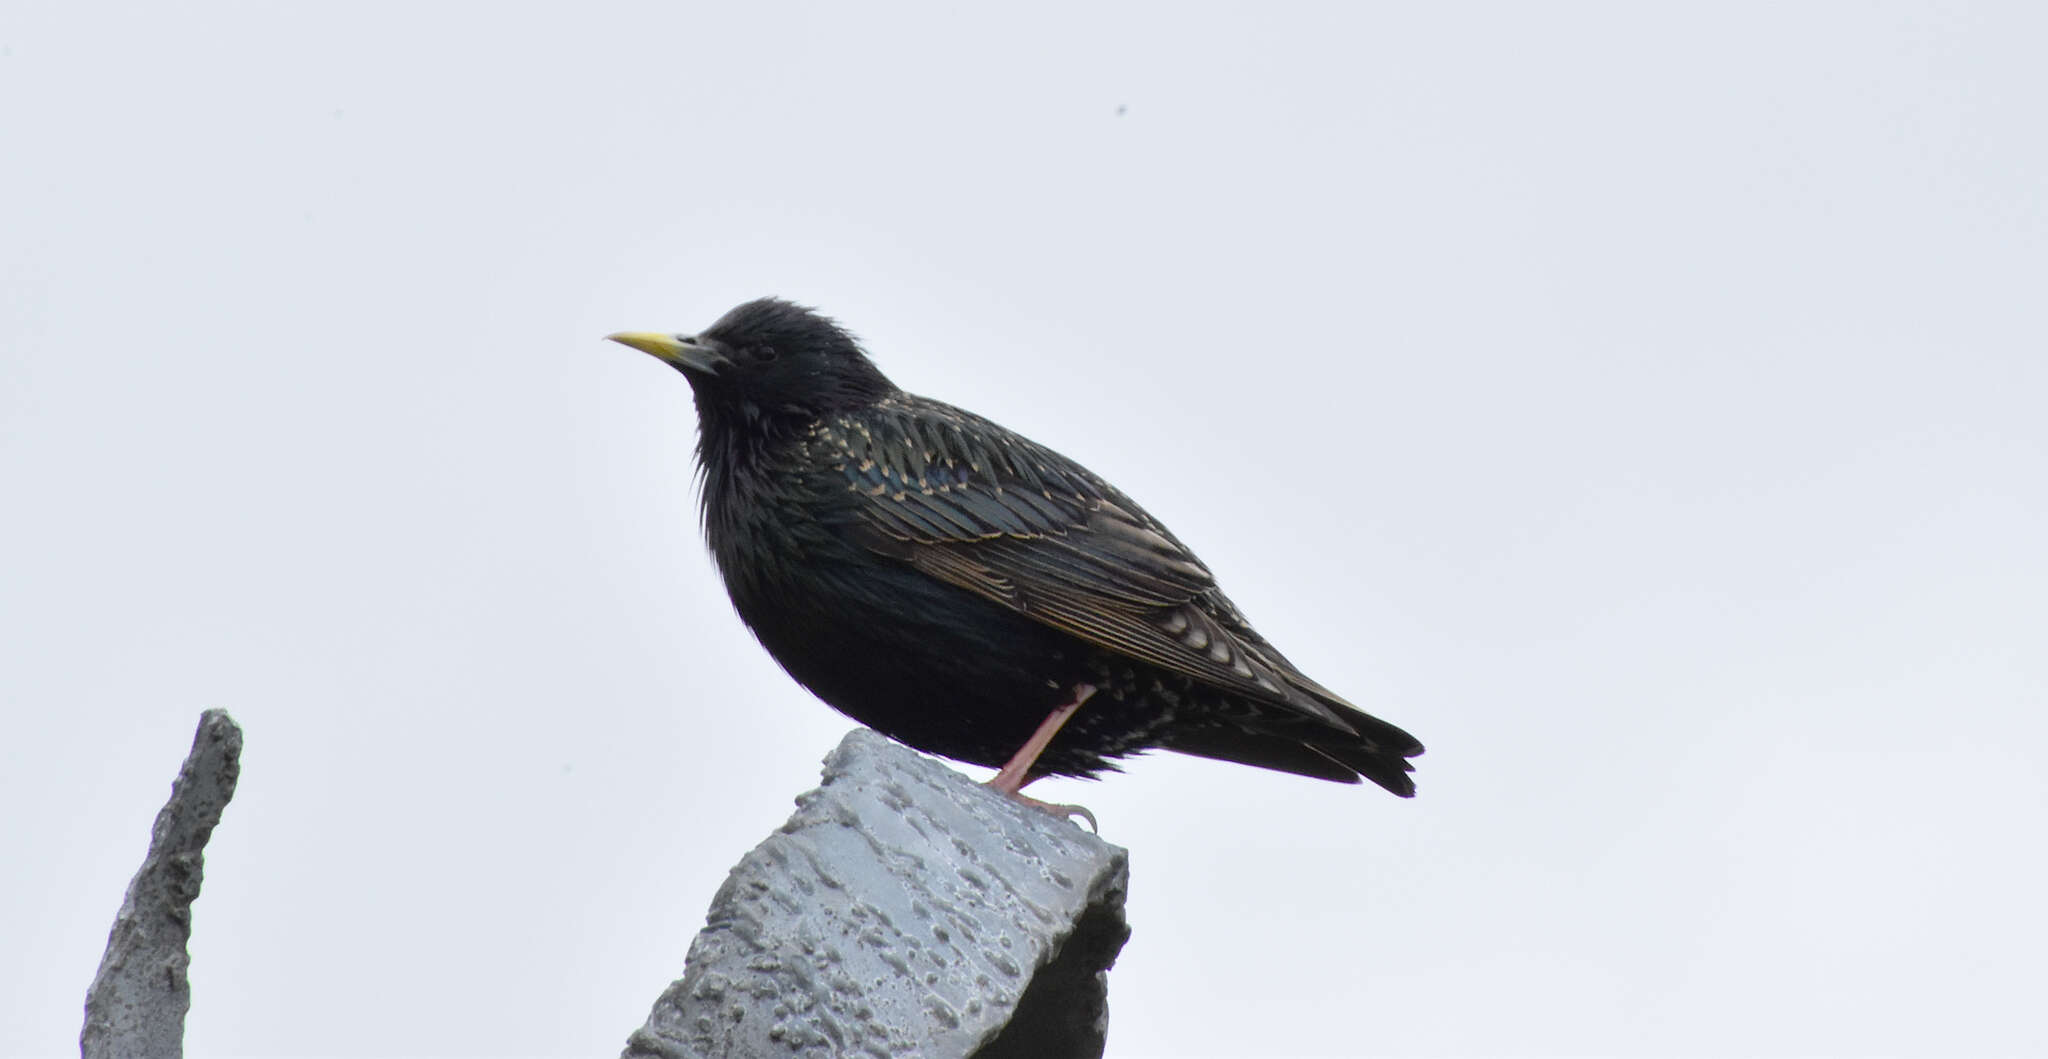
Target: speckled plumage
<point x="948" y="582"/>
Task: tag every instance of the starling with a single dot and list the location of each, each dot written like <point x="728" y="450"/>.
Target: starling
<point x="969" y="592"/>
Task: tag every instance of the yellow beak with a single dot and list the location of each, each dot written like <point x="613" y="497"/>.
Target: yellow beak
<point x="683" y="351"/>
<point x="663" y="346"/>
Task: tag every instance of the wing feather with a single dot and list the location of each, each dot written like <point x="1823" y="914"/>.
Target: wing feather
<point x="978" y="507"/>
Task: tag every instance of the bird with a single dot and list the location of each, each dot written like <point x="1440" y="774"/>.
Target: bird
<point x="971" y="593"/>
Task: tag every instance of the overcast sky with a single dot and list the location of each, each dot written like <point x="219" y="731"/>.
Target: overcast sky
<point x="1645" y="405"/>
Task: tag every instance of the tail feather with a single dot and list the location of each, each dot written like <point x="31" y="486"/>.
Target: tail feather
<point x="1388" y="770"/>
<point x="1378" y="752"/>
<point x="1276" y="752"/>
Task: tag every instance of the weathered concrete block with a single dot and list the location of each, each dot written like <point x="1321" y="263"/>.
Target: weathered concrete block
<point x="904" y="910"/>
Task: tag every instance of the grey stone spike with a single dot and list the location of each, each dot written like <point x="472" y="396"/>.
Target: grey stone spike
<point x="136" y="1006"/>
<point x="903" y="911"/>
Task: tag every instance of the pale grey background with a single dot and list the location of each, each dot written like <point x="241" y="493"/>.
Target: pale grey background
<point x="1642" y="403"/>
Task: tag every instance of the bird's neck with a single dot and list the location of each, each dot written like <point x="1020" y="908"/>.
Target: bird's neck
<point x="746" y="477"/>
<point x="740" y="440"/>
<point x="741" y="451"/>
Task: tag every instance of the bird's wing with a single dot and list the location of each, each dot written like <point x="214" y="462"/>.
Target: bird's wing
<point x="979" y="507"/>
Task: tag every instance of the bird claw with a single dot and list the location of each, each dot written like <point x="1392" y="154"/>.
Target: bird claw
<point x="1063" y="811"/>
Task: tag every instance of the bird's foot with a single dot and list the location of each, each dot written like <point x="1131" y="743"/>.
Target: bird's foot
<point x="1017" y="773"/>
<point x="1065" y="812"/>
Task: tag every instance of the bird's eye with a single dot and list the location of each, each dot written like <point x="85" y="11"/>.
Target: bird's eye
<point x="765" y="354"/>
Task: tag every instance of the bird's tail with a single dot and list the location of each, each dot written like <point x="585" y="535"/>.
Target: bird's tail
<point x="1378" y="752"/>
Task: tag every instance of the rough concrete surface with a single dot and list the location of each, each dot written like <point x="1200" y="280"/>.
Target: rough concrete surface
<point x="136" y="1006"/>
<point x="904" y="910"/>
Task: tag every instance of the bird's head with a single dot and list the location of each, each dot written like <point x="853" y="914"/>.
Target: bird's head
<point x="768" y="364"/>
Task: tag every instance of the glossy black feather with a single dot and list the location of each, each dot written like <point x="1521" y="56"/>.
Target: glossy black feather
<point x="947" y="581"/>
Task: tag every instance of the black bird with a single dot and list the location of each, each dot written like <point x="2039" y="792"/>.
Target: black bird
<point x="970" y="592"/>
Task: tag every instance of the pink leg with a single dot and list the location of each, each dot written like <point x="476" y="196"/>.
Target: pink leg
<point x="1013" y="776"/>
<point x="1017" y="773"/>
